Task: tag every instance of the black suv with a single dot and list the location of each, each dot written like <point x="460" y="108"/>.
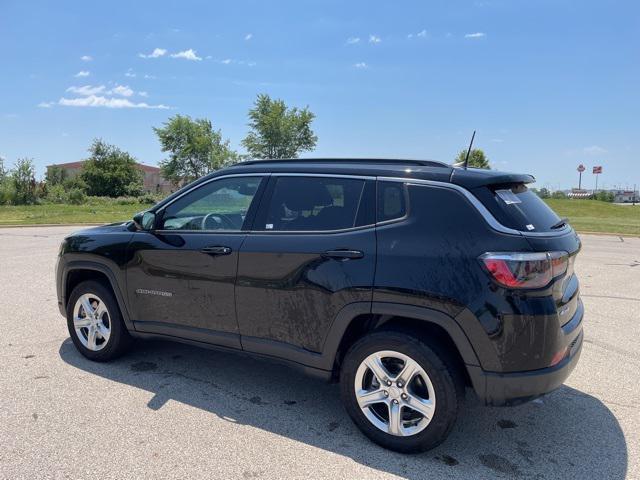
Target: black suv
<point x="405" y="280"/>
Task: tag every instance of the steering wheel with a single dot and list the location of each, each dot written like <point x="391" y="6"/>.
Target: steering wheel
<point x="225" y="221"/>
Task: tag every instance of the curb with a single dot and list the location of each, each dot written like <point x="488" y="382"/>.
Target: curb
<point x="33" y="225"/>
<point x="626" y="235"/>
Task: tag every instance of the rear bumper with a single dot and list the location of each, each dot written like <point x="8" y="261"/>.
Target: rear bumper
<point x="514" y="388"/>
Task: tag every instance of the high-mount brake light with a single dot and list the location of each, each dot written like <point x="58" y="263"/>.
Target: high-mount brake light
<point x="525" y="270"/>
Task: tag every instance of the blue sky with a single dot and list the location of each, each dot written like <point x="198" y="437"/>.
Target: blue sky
<point x="547" y="84"/>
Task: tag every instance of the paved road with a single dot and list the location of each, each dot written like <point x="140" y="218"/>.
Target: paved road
<point x="173" y="411"/>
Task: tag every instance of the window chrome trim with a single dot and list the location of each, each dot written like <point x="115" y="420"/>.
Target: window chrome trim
<point x="312" y="232"/>
<point x="322" y="175"/>
<point x="486" y="214"/>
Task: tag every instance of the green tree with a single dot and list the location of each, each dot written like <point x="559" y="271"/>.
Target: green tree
<point x="23" y="177"/>
<point x="477" y="159"/>
<point x="194" y="148"/>
<point x="3" y="171"/>
<point x="604" y="196"/>
<point x="55" y="175"/>
<point x="278" y="131"/>
<point x="544" y="193"/>
<point x="110" y="172"/>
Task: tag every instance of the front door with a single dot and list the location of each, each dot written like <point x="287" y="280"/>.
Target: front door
<point x="310" y="253"/>
<point x="181" y="276"/>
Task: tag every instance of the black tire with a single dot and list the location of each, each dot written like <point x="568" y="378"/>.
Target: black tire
<point x="119" y="339"/>
<point x="438" y="365"/>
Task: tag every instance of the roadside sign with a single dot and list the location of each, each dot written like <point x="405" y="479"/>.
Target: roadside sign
<point x="581" y="168"/>
<point x="597" y="170"/>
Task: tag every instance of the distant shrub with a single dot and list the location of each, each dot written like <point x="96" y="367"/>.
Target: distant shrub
<point x="604" y="196"/>
<point x="558" y="194"/>
<point x="149" y="198"/>
<point x="126" y="200"/>
<point x="23" y="177"/>
<point x="56" y="193"/>
<point x="77" y="196"/>
<point x="7" y="192"/>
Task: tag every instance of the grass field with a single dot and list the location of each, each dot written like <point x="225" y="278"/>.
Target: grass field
<point x="584" y="215"/>
<point x="595" y="216"/>
<point x="56" y="213"/>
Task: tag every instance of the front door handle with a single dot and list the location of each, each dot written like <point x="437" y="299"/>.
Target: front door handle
<point x="343" y="254"/>
<point x="216" y="250"/>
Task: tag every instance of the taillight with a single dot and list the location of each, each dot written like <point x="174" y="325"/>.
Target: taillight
<point x="525" y="270"/>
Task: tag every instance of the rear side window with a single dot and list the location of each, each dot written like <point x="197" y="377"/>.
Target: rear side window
<point x="391" y="201"/>
<point x="517" y="207"/>
<point x="313" y="204"/>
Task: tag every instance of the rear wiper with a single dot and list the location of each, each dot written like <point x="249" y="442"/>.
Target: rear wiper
<point x="560" y="223"/>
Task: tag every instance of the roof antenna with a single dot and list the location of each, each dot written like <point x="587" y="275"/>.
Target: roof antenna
<point x="466" y="160"/>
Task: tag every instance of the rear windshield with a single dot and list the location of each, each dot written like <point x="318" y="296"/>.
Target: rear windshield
<point x="517" y="207"/>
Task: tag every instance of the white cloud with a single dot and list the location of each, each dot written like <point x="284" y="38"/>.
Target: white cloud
<point x="475" y="35"/>
<point x="594" y="150"/>
<point x="45" y="104"/>
<point x="374" y="39"/>
<point x="82" y="73"/>
<point x="101" y="101"/>
<point x="86" y="58"/>
<point x="497" y="140"/>
<point x="151" y="77"/>
<point x="361" y="65"/>
<point x="130" y="73"/>
<point x="353" y="40"/>
<point x="420" y="34"/>
<point x="87" y="90"/>
<point x="248" y="36"/>
<point x="226" y="61"/>
<point x="187" y="55"/>
<point x="122" y="90"/>
<point x="157" y="52"/>
<point x="143" y="94"/>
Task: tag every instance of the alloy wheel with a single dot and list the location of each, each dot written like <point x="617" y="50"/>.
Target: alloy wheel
<point x="92" y="322"/>
<point x="395" y="393"/>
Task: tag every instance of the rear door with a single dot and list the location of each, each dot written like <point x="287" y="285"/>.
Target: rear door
<point x="180" y="277"/>
<point x="311" y="252"/>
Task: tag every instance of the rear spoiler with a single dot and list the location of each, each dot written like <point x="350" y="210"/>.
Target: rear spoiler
<point x="476" y="177"/>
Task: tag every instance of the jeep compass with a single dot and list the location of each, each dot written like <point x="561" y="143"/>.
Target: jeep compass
<point x="404" y="280"/>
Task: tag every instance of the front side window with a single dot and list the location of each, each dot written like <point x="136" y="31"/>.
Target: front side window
<point x="313" y="204"/>
<point x="219" y="205"/>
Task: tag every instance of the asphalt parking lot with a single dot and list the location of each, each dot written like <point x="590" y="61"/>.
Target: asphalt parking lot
<point x="174" y="411"/>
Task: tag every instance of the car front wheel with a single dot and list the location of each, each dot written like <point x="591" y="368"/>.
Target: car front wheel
<point x="95" y="322"/>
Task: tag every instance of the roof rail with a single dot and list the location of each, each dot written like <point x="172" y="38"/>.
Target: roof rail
<point x="383" y="161"/>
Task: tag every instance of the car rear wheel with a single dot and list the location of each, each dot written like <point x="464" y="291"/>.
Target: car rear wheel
<point x="400" y="392"/>
<point x="95" y="322"/>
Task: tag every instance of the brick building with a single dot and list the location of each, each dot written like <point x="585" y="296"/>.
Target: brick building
<point x="152" y="181"/>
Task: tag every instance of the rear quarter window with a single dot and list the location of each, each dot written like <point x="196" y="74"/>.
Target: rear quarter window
<point x="391" y="201"/>
<point x="517" y="207"/>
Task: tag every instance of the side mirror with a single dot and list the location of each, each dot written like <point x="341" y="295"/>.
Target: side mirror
<point x="145" y="220"/>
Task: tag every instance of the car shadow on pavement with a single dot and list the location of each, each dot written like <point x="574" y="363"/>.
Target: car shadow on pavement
<point x="567" y="434"/>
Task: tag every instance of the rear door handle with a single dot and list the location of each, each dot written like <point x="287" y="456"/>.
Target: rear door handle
<point x="216" y="250"/>
<point x="343" y="254"/>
